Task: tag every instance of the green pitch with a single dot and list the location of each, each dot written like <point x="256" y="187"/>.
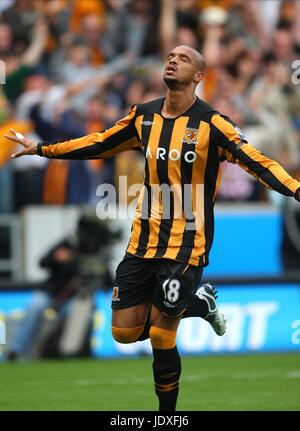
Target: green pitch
<point x="243" y="382"/>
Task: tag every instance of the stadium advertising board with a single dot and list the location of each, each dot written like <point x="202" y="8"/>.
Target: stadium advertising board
<point x="260" y="318"/>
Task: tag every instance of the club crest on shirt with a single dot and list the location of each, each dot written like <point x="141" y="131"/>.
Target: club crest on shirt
<point x="190" y="136"/>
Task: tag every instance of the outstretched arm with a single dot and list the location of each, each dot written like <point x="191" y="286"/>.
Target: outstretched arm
<point x="121" y="137"/>
<point x="235" y="148"/>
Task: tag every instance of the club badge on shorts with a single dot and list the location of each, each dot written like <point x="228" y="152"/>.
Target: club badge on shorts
<point x="115" y="295"/>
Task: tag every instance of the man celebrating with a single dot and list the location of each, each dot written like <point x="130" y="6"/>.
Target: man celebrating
<point x="184" y="140"/>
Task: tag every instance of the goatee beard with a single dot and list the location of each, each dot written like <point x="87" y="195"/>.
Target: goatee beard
<point x="171" y="83"/>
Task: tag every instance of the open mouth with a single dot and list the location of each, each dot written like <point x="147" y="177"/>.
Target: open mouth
<point x="171" y="69"/>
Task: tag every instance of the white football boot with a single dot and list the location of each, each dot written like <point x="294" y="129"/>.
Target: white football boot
<point x="208" y="293"/>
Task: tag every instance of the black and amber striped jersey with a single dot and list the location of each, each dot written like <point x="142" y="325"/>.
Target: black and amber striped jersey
<point x="174" y="215"/>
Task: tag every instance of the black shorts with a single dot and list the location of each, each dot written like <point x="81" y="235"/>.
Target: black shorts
<point x="166" y="283"/>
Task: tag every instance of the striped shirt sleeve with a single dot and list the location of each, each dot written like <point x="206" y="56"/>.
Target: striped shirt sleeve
<point x="235" y="148"/>
<point x="121" y="137"/>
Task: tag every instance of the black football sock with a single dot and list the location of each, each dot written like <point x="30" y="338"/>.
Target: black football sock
<point x="198" y="308"/>
<point x="166" y="371"/>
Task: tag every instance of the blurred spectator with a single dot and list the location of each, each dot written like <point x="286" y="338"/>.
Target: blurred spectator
<point x="78" y="263"/>
<point x="20" y="17"/>
<point x="81" y="9"/>
<point x="61" y="261"/>
<point x="20" y="64"/>
<point x="92" y="29"/>
<point x="77" y="68"/>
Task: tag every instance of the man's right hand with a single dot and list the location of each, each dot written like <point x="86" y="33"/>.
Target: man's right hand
<point x="30" y="147"/>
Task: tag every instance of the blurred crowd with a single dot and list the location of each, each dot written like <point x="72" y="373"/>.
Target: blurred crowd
<point x="75" y="66"/>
